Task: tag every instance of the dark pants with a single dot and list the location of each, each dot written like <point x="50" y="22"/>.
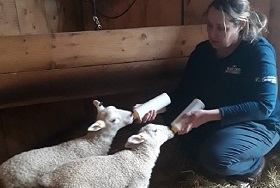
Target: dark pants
<point x="230" y="150"/>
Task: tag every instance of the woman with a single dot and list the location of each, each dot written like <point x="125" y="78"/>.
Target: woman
<point x="234" y="74"/>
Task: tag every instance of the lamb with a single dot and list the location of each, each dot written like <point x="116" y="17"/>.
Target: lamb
<point x="22" y="169"/>
<point x="126" y="168"/>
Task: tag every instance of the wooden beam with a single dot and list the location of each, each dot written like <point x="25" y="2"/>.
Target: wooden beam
<point x="9" y="24"/>
<point x="32" y="16"/>
<point x="68" y="50"/>
<point x="54" y="67"/>
<point x="262" y="5"/>
<point x="33" y="126"/>
<point x="3" y="142"/>
<point x="194" y="11"/>
<point x="274" y="30"/>
<point x="34" y="87"/>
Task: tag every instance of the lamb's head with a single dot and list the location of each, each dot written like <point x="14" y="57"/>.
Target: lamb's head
<point x="110" y="117"/>
<point x="151" y="134"/>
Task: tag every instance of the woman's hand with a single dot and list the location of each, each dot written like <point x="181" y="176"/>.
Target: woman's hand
<point x="198" y="118"/>
<point x="149" y="116"/>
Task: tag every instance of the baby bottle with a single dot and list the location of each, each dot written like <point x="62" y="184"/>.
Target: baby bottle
<point x="156" y="103"/>
<point x="179" y="122"/>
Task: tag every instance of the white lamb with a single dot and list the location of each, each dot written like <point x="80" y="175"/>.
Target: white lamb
<point x="126" y="168"/>
<point x="22" y="170"/>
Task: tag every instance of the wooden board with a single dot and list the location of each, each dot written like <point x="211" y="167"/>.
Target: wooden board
<point x="70" y="15"/>
<point x="32" y="16"/>
<point x="34" y="126"/>
<point x="63" y="66"/>
<point x="19" y="17"/>
<point x="263" y="6"/>
<point x="194" y="11"/>
<point x="144" y="13"/>
<point x="49" y="16"/>
<point x="162" y="13"/>
<point x="53" y="16"/>
<point x="63" y="84"/>
<point x="9" y="24"/>
<point x="68" y="50"/>
<point x="274" y="29"/>
<point x="3" y="144"/>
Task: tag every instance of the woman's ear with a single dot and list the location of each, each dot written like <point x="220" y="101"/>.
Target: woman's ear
<point x="242" y="25"/>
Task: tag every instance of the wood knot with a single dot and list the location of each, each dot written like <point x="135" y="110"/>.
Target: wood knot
<point x="144" y="37"/>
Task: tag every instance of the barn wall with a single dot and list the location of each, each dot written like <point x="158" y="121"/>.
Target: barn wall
<point x="51" y="16"/>
<point x="274" y="29"/>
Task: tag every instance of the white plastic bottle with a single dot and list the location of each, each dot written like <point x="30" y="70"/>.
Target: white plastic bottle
<point x="156" y="103"/>
<point x="177" y="124"/>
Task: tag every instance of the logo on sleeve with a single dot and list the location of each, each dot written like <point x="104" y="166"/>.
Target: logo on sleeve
<point x="270" y="79"/>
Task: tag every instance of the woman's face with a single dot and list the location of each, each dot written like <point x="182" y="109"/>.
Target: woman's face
<point x="221" y="33"/>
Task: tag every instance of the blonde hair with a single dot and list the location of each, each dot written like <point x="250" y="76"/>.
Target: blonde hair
<point x="237" y="11"/>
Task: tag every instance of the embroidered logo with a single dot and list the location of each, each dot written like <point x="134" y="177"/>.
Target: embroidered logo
<point x="271" y="79"/>
<point x="233" y="70"/>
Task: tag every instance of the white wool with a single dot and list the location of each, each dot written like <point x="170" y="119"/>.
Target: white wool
<point x="127" y="168"/>
<point x="22" y="169"/>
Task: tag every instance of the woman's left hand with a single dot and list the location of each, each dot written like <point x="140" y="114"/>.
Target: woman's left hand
<point x="198" y="118"/>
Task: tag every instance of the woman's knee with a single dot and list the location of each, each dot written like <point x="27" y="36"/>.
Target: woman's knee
<point x="216" y="161"/>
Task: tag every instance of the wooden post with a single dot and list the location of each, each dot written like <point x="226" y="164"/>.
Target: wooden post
<point x="274" y="29"/>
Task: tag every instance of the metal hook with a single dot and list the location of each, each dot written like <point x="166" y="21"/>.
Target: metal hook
<point x="97" y="23"/>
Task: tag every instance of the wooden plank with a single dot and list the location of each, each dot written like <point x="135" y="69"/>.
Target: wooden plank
<point x="35" y="126"/>
<point x="32" y="16"/>
<point x="63" y="84"/>
<point x="262" y="6"/>
<point x="3" y="142"/>
<point x="144" y="13"/>
<point x="194" y="11"/>
<point x="53" y="16"/>
<point x="135" y="17"/>
<point x="274" y="29"/>
<point x="8" y="18"/>
<point x="71" y="17"/>
<point x="87" y="17"/>
<point x="161" y="13"/>
<point x="68" y="50"/>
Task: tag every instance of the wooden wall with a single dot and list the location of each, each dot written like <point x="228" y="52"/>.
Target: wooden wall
<point x="83" y="64"/>
<point x="31" y="126"/>
<point x="19" y="17"/>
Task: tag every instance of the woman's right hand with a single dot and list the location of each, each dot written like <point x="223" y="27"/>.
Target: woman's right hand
<point x="150" y="116"/>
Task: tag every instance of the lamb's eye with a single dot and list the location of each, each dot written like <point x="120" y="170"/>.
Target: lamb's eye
<point x="113" y="120"/>
<point x="155" y="130"/>
<point x="100" y="104"/>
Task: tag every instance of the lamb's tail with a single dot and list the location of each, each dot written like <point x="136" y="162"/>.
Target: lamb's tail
<point x="44" y="180"/>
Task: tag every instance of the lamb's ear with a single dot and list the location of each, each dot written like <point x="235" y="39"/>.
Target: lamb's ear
<point x="134" y="140"/>
<point x="97" y="126"/>
<point x="98" y="105"/>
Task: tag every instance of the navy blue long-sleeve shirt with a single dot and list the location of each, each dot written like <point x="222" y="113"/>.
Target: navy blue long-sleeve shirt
<point x="243" y="85"/>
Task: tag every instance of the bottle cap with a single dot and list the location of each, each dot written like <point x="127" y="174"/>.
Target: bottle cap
<point x="135" y="115"/>
<point x="174" y="129"/>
